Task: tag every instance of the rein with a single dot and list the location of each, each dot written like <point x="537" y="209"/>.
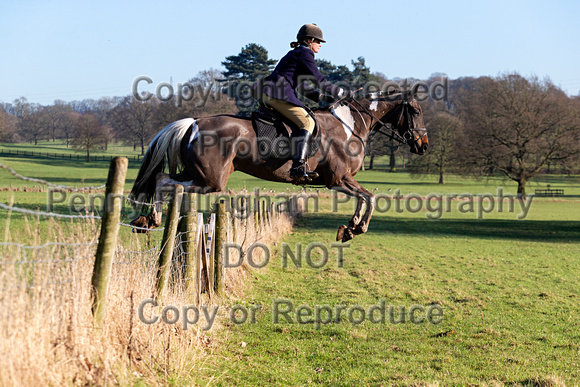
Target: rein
<point x="393" y="134"/>
<point x="408" y="137"/>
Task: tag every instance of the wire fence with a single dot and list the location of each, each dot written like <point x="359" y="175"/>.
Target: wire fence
<point x="194" y="244"/>
<point x="44" y="182"/>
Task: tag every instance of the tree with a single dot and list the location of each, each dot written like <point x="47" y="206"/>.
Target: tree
<point x="242" y="71"/>
<point x="516" y="126"/>
<point x="443" y="129"/>
<point x="88" y="134"/>
<point x="133" y="120"/>
<point x="7" y="126"/>
<point x="67" y="124"/>
<point x="332" y="73"/>
<point x="250" y="64"/>
<point x="361" y="75"/>
<point x="209" y="99"/>
<point x="382" y="145"/>
<point x="31" y="123"/>
<point x="54" y="118"/>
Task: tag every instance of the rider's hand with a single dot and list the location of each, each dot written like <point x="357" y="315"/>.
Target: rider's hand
<point x="348" y="94"/>
<point x="326" y="98"/>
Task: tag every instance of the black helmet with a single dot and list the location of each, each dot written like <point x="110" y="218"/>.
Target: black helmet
<point x="310" y="31"/>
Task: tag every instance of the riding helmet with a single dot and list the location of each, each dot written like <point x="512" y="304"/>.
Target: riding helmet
<point x="310" y="31"/>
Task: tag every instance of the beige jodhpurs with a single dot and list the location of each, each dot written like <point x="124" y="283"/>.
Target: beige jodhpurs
<point x="296" y="114"/>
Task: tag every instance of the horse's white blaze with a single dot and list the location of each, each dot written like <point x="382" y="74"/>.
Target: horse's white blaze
<point x="374" y="105"/>
<point x="342" y="113"/>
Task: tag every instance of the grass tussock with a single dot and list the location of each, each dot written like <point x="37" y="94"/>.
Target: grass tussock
<point x="47" y="335"/>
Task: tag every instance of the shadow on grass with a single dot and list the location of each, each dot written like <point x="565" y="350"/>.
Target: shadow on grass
<point x="524" y="230"/>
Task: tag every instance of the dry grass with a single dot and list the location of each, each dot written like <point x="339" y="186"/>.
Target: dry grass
<point x="47" y="335"/>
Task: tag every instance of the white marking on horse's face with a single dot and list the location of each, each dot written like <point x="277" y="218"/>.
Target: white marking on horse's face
<point x="342" y="113"/>
<point x="374" y="105"/>
<point x="194" y="132"/>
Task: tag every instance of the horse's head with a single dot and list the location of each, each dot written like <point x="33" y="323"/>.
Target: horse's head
<point x="406" y="119"/>
<point x="411" y="127"/>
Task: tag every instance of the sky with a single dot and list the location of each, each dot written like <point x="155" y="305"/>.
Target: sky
<point x="75" y="50"/>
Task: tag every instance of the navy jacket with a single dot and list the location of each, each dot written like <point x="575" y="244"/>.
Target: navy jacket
<point x="290" y="75"/>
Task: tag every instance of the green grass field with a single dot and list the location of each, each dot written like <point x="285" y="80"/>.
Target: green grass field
<point x="508" y="289"/>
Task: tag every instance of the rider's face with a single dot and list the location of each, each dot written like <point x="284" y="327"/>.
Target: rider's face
<point x="315" y="45"/>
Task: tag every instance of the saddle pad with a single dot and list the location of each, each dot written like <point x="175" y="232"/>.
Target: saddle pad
<point x="274" y="140"/>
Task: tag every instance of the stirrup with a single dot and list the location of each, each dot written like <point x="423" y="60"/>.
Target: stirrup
<point x="301" y="172"/>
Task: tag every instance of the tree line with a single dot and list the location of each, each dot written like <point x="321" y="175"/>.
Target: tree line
<point x="508" y="125"/>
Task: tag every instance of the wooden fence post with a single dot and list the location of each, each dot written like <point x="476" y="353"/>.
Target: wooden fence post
<point x="220" y="241"/>
<point x="168" y="242"/>
<point x="188" y="228"/>
<point x="244" y="223"/>
<point x="257" y="216"/>
<point x="264" y="216"/>
<point x="108" y="237"/>
<point x="201" y="261"/>
<point x="235" y="212"/>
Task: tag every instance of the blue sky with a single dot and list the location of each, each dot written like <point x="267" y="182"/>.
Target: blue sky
<point x="74" y="50"/>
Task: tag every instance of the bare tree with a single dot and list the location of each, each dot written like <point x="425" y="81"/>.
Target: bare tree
<point x="31" y="123"/>
<point x="54" y="118"/>
<point x="7" y="126"/>
<point x="88" y="134"/>
<point x="382" y="145"/>
<point x="516" y="126"/>
<point x="67" y="125"/>
<point x="133" y="120"/>
<point x="444" y="131"/>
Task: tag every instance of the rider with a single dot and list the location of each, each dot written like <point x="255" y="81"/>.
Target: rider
<point x="278" y="91"/>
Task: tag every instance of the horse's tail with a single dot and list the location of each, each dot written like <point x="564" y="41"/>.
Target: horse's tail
<point x="165" y="146"/>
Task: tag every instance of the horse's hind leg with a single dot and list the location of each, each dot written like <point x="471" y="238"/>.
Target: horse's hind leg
<point x="164" y="183"/>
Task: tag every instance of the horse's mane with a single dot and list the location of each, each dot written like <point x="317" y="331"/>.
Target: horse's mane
<point x="392" y="96"/>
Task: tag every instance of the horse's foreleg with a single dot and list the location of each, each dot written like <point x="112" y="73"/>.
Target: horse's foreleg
<point x="155" y="216"/>
<point x="357" y="213"/>
<point x="357" y="225"/>
<point x="362" y="226"/>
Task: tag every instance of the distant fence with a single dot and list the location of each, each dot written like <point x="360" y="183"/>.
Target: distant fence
<point x="61" y="156"/>
<point x="549" y="192"/>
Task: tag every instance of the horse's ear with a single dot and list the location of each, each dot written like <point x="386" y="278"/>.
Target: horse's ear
<point x="414" y="106"/>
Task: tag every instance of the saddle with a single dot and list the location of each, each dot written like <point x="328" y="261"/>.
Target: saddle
<point x="274" y="135"/>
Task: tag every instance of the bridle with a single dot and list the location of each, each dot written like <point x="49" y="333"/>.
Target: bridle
<point x="408" y="136"/>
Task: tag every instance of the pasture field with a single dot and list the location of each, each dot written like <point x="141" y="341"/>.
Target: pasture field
<point x="508" y="288"/>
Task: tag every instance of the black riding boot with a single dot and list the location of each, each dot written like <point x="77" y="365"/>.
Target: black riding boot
<point x="298" y="170"/>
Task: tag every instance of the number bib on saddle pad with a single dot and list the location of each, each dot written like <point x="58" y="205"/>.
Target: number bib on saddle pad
<point x="274" y="136"/>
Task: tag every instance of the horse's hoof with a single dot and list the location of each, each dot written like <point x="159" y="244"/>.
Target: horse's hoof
<point x="348" y="235"/>
<point x="140" y="222"/>
<point x="340" y="233"/>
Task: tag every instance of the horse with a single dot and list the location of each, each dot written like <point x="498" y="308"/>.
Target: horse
<point x="202" y="153"/>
